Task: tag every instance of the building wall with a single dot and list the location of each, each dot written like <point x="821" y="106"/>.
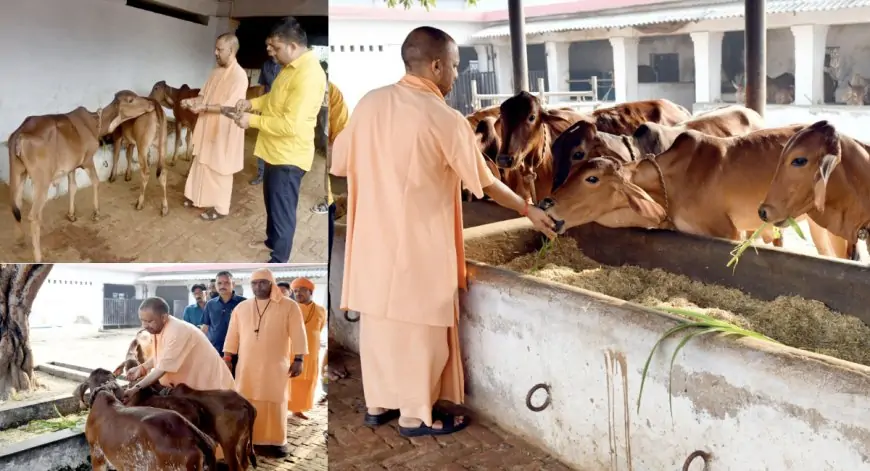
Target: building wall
<point x="61" y="54"/>
<point x="73" y="294"/>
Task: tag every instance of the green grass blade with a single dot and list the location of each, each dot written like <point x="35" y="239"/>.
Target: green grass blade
<point x="679" y="347"/>
<point x="664" y="337"/>
<point x="794" y="225"/>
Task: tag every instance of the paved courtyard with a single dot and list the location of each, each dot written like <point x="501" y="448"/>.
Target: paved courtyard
<point x="125" y="235"/>
<point x="353" y="446"/>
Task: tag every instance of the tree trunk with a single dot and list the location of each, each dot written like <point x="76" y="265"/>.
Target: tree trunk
<point x="19" y="284"/>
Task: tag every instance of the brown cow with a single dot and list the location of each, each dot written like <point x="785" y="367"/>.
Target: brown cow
<point x="141" y="349"/>
<point x="780" y="90"/>
<point x="171" y="98"/>
<point x="587" y="136"/>
<point x="527" y="133"/>
<point x="50" y="146"/>
<point x="826" y="175"/>
<point x="142" y="133"/>
<point x="141" y="438"/>
<point x="664" y="190"/>
<point x="733" y="120"/>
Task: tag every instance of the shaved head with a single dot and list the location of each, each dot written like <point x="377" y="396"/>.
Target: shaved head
<point x="230" y="40"/>
<point x="225" y="48"/>
<point x="432" y="54"/>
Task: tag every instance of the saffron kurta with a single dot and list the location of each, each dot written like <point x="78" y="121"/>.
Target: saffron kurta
<point x="265" y="358"/>
<point x="304" y="386"/>
<point x="186" y="355"/>
<point x="218" y="143"/>
<point x="405" y="152"/>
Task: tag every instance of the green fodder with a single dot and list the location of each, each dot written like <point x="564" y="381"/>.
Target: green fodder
<point x="798" y="322"/>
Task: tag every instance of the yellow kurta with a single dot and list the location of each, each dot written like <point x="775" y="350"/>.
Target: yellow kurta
<point x="264" y="360"/>
<point x="186" y="355"/>
<point x="304" y="386"/>
<point x="218" y="143"/>
<point x="338" y="116"/>
<point x="405" y="152"/>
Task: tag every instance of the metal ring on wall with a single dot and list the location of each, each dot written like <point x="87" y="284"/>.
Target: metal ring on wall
<point x="350" y="319"/>
<point x="535" y="388"/>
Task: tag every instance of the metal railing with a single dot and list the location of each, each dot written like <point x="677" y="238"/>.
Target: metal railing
<point x="579" y="99"/>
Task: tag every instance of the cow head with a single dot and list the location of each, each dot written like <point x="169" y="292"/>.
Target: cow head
<point x="488" y="137"/>
<point x="129" y="106"/>
<point x="805" y="166"/>
<point x="522" y="121"/>
<point x="583" y="141"/>
<point x="653" y="138"/>
<point x="601" y="186"/>
<point x="783" y="95"/>
<point x="163" y="94"/>
<point x="99" y="379"/>
<point x="739" y="88"/>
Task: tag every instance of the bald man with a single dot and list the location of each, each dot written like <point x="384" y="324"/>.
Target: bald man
<point x="405" y="146"/>
<point x="218" y="144"/>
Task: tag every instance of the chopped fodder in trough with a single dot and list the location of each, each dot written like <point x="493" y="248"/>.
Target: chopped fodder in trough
<point x="39" y="427"/>
<point x="801" y="323"/>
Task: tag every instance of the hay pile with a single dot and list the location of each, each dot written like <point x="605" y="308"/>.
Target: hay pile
<point x="794" y="321"/>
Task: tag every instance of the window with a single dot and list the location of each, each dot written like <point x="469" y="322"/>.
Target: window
<point x="665" y="67"/>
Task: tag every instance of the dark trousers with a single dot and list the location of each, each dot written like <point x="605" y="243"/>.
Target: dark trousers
<point x="281" y="185"/>
<point x="321" y="130"/>
<point x="329" y="259"/>
<point x="261" y="166"/>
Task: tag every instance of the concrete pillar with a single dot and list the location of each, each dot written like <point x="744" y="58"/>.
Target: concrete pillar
<point x="503" y="69"/>
<point x="809" y="64"/>
<point x="558" y="67"/>
<point x="625" y="68"/>
<point x="224" y="25"/>
<point x="483" y="59"/>
<point x="708" y="66"/>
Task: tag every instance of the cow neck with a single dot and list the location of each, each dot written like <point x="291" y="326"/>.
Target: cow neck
<point x="664" y="188"/>
<point x="856" y="173"/>
<point x="104" y="116"/>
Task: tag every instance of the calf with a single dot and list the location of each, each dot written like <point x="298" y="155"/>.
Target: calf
<point x="50" y="146"/>
<point x="171" y="98"/>
<point x="734" y="120"/>
<point x="606" y="132"/>
<point x="142" y="133"/>
<point x="780" y="90"/>
<point x="663" y="191"/>
<point x="826" y="175"/>
<point x="140" y="438"/>
<point x="141" y="349"/>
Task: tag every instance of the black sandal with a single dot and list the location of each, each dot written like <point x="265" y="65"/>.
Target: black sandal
<point x="448" y="426"/>
<point x="211" y="215"/>
<point x="382" y="418"/>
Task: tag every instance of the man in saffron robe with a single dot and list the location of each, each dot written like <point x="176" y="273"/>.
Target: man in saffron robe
<point x="268" y="335"/>
<point x="404" y="153"/>
<point x="218" y="144"/>
<point x="304" y="387"/>
<point x="182" y="353"/>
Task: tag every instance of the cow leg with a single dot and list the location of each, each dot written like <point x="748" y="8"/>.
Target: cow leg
<point x="98" y="462"/>
<point x="164" y="208"/>
<point x="40" y="194"/>
<point x="116" y="154"/>
<point x="145" y="173"/>
<point x="231" y="451"/>
<point x="16" y="184"/>
<point x="188" y="151"/>
<point x="178" y="128"/>
<point x="128" y="175"/>
<point x="95" y="182"/>
<point x="71" y="178"/>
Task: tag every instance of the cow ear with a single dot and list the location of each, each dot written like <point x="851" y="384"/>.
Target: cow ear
<point x="826" y="168"/>
<point x="643" y="204"/>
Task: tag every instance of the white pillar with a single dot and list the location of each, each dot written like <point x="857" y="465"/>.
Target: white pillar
<point x="625" y="68"/>
<point x="809" y="47"/>
<point x="483" y="59"/>
<point x="558" y="67"/>
<point x="503" y="72"/>
<point x="708" y="66"/>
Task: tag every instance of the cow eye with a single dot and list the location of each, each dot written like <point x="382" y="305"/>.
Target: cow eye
<point x="578" y="155"/>
<point x="531" y="118"/>
<point x="592" y="179"/>
<point x="799" y="162"/>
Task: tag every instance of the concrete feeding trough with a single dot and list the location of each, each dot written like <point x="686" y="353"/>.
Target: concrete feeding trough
<point x="561" y="366"/>
<point x="63" y="450"/>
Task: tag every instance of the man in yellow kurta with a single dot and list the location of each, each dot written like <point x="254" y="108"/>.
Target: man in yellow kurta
<point x="182" y="353"/>
<point x="304" y="387"/>
<point x="405" y="152"/>
<point x="286" y="138"/>
<point x="265" y="333"/>
<point x="218" y="144"/>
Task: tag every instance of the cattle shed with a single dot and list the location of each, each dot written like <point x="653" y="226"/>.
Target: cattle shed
<point x="62" y="54"/>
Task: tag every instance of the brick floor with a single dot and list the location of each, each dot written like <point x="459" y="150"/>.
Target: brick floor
<point x="125" y="235"/>
<point x="353" y="446"/>
<point x="306" y="442"/>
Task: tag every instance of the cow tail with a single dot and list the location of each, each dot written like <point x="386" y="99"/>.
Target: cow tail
<point x="161" y="137"/>
<point x="14" y="145"/>
<point x="250" y="445"/>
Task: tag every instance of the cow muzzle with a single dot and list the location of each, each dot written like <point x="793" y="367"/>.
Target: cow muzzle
<point x="768" y="214"/>
<point x="504" y="161"/>
<point x="546" y="204"/>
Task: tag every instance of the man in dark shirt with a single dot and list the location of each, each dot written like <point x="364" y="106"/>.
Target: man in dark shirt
<point x="194" y="313"/>
<point x="267" y="75"/>
<point x="217" y="311"/>
<point x="212" y="289"/>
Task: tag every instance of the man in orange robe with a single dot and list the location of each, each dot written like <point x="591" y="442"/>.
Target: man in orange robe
<point x="405" y="152"/>
<point x="304" y="386"/>
<point x="182" y="353"/>
<point x="218" y="144"/>
<point x="266" y="332"/>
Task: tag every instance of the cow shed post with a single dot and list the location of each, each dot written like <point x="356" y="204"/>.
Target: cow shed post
<point x="755" y="50"/>
<point x="519" y="59"/>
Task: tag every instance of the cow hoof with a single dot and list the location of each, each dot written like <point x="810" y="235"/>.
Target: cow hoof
<point x="112" y="179"/>
<point x="171" y="163"/>
<point x="128" y="178"/>
<point x="96" y="216"/>
<point x="72" y="217"/>
<point x="164" y="211"/>
<point x="140" y="205"/>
